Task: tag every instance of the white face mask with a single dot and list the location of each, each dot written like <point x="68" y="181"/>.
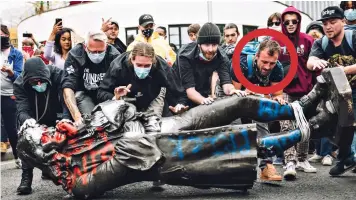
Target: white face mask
<point x="96" y="57"/>
<point x="276" y="28"/>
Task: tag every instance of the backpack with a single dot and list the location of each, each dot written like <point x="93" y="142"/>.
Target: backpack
<point x="250" y="49"/>
<point x="348" y="35"/>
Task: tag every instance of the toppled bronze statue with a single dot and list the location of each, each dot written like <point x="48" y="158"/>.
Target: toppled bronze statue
<point x="114" y="148"/>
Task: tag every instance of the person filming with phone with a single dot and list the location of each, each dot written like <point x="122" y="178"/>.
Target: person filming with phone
<point x="58" y="45"/>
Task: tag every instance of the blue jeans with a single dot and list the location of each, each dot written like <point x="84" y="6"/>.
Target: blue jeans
<point x="323" y="147"/>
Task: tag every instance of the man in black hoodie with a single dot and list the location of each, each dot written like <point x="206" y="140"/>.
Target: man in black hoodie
<point x="85" y="68"/>
<point x="39" y="101"/>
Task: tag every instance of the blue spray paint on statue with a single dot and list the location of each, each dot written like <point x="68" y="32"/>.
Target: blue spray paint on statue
<point x="229" y="147"/>
<point x="280" y="143"/>
<point x="271" y="110"/>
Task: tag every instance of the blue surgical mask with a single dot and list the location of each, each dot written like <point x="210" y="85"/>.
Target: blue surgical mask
<point x="142" y="72"/>
<point x="96" y="57"/>
<point x="40" y="88"/>
<point x="350" y="14"/>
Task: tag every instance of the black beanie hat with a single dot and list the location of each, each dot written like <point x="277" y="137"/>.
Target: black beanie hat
<point x="209" y="33"/>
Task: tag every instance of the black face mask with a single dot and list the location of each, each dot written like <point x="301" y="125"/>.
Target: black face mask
<point x="5" y="42"/>
<point x="147" y="33"/>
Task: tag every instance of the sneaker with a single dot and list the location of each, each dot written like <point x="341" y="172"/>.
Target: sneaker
<point x="306" y="167"/>
<point x="327" y="160"/>
<point x="3" y="147"/>
<point x="290" y="173"/>
<point x="315" y="158"/>
<point x="18" y="163"/>
<point x="269" y="173"/>
<point x="354" y="170"/>
<point x="343" y="166"/>
<point x="278" y="161"/>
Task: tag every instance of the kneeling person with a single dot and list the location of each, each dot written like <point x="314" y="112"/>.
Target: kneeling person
<point x="38" y="100"/>
<point x="139" y="74"/>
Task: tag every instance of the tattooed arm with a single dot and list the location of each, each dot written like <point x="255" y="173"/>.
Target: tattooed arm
<point x="69" y="99"/>
<point x="70" y="85"/>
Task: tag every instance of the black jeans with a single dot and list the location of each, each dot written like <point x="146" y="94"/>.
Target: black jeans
<point x="8" y="122"/>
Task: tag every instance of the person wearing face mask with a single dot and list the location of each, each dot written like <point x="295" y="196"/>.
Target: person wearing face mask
<point x="85" y="68"/>
<point x="39" y="101"/>
<point x="196" y="63"/>
<point x="302" y="84"/>
<point x="350" y="14"/>
<point x="148" y="35"/>
<point x="162" y="32"/>
<point x="11" y="62"/>
<point x="139" y="74"/>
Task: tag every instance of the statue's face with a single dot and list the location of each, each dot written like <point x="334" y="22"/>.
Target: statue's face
<point x="52" y="139"/>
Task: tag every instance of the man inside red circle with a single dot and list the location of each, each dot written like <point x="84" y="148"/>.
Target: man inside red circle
<point x="263" y="69"/>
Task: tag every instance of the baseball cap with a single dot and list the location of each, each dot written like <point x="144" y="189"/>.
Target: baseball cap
<point x="145" y="19"/>
<point x="114" y="22"/>
<point x="332" y="12"/>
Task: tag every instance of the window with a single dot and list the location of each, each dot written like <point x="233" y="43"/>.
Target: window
<point x="178" y="34"/>
<point x="246" y="29"/>
<point x="130" y="31"/>
<point x="221" y="28"/>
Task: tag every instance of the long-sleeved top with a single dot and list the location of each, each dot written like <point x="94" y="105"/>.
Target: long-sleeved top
<point x="52" y="56"/>
<point x="46" y="107"/>
<point x="14" y="59"/>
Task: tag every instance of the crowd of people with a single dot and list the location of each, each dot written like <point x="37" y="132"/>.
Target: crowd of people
<point x="59" y="81"/>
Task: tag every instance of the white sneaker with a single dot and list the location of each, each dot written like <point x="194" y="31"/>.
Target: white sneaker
<point x="315" y="158"/>
<point x="290" y="173"/>
<point x="18" y="163"/>
<point x="306" y="167"/>
<point x="327" y="160"/>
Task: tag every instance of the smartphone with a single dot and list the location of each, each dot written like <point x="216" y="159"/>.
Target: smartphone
<point x="28" y="50"/>
<point x="58" y="20"/>
<point x="27" y="35"/>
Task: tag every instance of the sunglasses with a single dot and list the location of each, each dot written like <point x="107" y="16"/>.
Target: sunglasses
<point x="270" y="24"/>
<point x="294" y="22"/>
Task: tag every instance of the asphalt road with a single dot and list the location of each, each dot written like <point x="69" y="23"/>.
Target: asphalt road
<point x="307" y="186"/>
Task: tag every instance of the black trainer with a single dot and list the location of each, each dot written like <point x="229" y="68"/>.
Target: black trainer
<point x="343" y="166"/>
<point x="26" y="182"/>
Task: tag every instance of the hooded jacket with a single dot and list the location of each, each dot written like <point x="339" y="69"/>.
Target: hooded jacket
<point x="160" y="46"/>
<point x="303" y="43"/>
<point x="83" y="75"/>
<point x="46" y="107"/>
